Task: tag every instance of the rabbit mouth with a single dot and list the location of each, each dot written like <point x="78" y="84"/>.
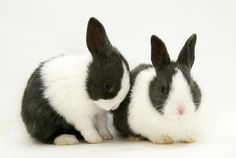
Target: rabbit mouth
<point x="106" y="106"/>
<point x="179" y="116"/>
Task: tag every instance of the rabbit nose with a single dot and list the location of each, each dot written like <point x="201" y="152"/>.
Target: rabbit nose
<point x="181" y="109"/>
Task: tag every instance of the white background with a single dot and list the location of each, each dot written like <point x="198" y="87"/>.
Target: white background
<point x="32" y="31"/>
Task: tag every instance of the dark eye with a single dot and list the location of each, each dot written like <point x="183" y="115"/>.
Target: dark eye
<point x="163" y="90"/>
<point x="108" y="87"/>
<point x="105" y="57"/>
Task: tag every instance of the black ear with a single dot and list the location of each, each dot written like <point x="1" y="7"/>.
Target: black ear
<point x="96" y="37"/>
<point x="187" y="54"/>
<point x="159" y="54"/>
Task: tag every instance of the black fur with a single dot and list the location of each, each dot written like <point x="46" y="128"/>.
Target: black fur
<point x="106" y="68"/>
<point x="195" y="90"/>
<point x="42" y="121"/>
<point x="103" y="71"/>
<point x="159" y="87"/>
<point x="159" y="54"/>
<point x="187" y="54"/>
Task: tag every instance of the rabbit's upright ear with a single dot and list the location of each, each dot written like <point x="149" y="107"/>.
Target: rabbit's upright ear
<point x="159" y="54"/>
<point x="97" y="40"/>
<point x="187" y="54"/>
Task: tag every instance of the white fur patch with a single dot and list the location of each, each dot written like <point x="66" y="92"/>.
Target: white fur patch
<point x="64" y="78"/>
<point x="112" y="104"/>
<point x="66" y="139"/>
<point x="180" y="94"/>
<point x="145" y="120"/>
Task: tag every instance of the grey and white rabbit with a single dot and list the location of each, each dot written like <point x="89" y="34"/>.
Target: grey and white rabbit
<point x="67" y="96"/>
<point x="163" y="102"/>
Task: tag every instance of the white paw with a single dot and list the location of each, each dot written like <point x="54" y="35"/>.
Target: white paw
<point x="188" y="141"/>
<point x="94" y="140"/>
<point x="162" y="140"/>
<point x="134" y="138"/>
<point x="107" y="136"/>
<point x="66" y="139"/>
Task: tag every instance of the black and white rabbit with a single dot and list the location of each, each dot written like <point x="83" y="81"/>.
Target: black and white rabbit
<point x="67" y="96"/>
<point x="163" y="102"/>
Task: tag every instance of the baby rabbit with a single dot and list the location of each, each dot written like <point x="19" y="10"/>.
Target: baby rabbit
<point x="163" y="102"/>
<point x="67" y="96"/>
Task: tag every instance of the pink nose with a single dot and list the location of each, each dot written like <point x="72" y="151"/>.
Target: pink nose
<point x="181" y="109"/>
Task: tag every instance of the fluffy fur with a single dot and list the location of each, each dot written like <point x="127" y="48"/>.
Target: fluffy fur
<point x="67" y="96"/>
<point x="144" y="120"/>
<point x="163" y="102"/>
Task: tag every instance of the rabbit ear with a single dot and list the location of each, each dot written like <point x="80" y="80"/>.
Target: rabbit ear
<point x="96" y="39"/>
<point x="159" y="54"/>
<point x="187" y="54"/>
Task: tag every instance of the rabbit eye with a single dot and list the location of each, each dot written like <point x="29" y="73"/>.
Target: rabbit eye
<point x="163" y="90"/>
<point x="105" y="57"/>
<point x="108" y="87"/>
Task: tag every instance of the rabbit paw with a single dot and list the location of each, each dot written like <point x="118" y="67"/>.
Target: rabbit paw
<point x="134" y="138"/>
<point x="66" y="139"/>
<point x="188" y="140"/>
<point x="163" y="140"/>
<point x="94" y="140"/>
<point x="106" y="136"/>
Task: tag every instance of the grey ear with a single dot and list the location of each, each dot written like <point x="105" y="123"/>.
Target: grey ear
<point x="159" y="54"/>
<point x="96" y="39"/>
<point x="187" y="54"/>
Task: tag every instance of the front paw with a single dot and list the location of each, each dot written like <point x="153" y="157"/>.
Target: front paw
<point x="94" y="140"/>
<point x="162" y="140"/>
<point x="66" y="139"/>
<point x="134" y="138"/>
<point x="106" y="136"/>
<point x="188" y="140"/>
